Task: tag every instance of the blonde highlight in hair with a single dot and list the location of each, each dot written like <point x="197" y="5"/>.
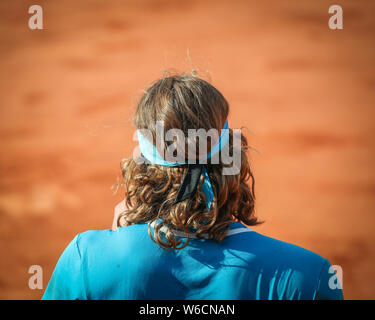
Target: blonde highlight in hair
<point x="185" y="102"/>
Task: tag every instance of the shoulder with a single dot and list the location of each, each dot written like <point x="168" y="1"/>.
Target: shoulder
<point x="301" y="272"/>
<point x="273" y="254"/>
<point x="281" y="249"/>
<point x="301" y="256"/>
<point x="94" y="240"/>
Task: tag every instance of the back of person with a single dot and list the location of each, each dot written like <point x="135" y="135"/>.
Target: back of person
<point x="127" y="264"/>
<point x="182" y="231"/>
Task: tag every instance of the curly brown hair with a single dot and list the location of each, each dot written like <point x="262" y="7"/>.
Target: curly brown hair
<point x="185" y="101"/>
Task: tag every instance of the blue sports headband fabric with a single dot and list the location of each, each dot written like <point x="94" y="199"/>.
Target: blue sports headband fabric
<point x="189" y="185"/>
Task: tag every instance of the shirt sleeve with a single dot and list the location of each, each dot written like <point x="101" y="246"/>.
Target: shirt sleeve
<point x="66" y="282"/>
<point x="330" y="283"/>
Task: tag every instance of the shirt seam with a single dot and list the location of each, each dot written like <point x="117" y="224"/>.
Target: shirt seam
<point x="316" y="294"/>
<point x="80" y="266"/>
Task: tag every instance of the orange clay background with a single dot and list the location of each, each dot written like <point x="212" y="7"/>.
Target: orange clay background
<point x="305" y="94"/>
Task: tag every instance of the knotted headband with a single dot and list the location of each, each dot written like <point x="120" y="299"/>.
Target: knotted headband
<point x="194" y="172"/>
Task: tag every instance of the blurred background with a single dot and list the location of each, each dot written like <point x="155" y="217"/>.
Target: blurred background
<point x="305" y="94"/>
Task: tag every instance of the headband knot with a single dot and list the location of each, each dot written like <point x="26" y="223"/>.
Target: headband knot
<point x="194" y="171"/>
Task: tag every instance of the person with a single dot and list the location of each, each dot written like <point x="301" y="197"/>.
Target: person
<point x="185" y="229"/>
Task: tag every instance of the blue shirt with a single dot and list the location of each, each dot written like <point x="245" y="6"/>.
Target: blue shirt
<point x="127" y="264"/>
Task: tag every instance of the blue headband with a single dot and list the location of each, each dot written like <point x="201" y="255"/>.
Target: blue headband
<point x="194" y="172"/>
